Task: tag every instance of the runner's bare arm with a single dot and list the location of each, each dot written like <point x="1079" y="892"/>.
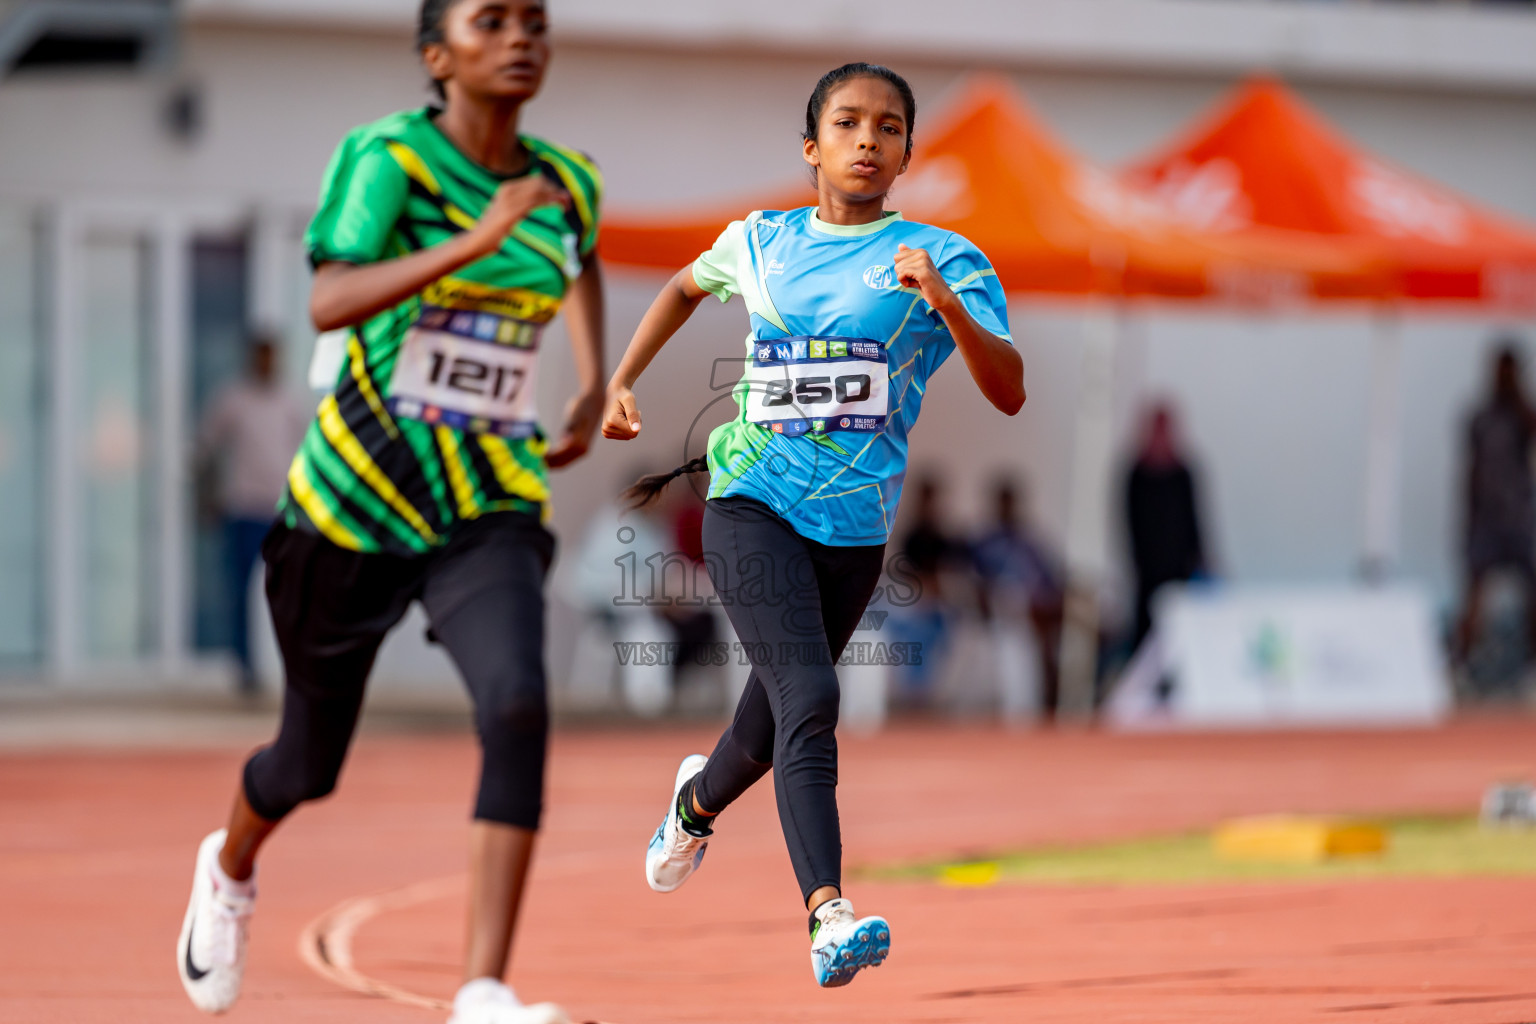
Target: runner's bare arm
<point x="995" y="365"/>
<point x="344" y="294"/>
<point x="670" y="311"/>
<point x="584" y="323"/>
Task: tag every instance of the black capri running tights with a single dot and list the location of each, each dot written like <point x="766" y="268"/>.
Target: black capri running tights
<point x="483" y="594"/>
<point x="795" y="603"/>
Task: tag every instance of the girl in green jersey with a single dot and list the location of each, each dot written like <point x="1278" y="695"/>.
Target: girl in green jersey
<point x="444" y="243"/>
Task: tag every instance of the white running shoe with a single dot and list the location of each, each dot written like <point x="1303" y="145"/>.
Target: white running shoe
<point x="843" y="945"/>
<point x="210" y="956"/>
<point x="674" y="854"/>
<point x="488" y="1001"/>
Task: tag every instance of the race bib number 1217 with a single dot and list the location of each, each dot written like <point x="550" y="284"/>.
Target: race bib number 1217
<point x="473" y="371"/>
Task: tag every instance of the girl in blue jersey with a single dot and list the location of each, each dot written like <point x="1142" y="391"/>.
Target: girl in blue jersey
<point x="852" y="309"/>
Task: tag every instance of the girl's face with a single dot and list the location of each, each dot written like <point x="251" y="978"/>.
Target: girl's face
<point x="861" y="140"/>
<point x="497" y="49"/>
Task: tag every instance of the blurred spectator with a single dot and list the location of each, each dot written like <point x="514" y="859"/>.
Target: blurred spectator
<point x="695" y="624"/>
<point x="638" y="577"/>
<point x="1500" y="498"/>
<point x="610" y="581"/>
<point x="1021" y="594"/>
<point x="929" y="545"/>
<point x="930" y="550"/>
<point x="1162" y="515"/>
<point x="246" y="441"/>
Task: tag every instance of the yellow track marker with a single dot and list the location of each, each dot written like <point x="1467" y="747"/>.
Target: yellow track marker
<point x="971" y="876"/>
<point x="1297" y="838"/>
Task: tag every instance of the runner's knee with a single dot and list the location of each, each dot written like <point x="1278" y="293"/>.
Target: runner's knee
<point x="276" y="784"/>
<point x="512" y="707"/>
<point x="811" y="716"/>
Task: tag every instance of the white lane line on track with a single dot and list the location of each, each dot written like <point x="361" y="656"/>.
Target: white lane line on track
<point x="325" y="944"/>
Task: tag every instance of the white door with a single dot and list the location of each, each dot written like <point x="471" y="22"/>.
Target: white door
<point x="116" y="534"/>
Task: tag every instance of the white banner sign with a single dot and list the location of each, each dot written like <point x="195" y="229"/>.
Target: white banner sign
<point x="1251" y="657"/>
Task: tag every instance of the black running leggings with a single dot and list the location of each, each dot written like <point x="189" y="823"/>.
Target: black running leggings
<point x="483" y="594"/>
<point x="795" y="603"/>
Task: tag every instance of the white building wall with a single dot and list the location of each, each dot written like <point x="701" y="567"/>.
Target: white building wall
<point x="1275" y="408"/>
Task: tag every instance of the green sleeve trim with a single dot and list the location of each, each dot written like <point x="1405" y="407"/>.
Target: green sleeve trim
<point x="718" y="270"/>
<point x="733" y="266"/>
<point x="319" y="255"/>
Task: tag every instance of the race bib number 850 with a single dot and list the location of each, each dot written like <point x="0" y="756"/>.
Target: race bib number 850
<point x="801" y="385"/>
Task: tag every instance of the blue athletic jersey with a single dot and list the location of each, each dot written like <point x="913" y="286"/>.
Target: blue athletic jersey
<point x="838" y="359"/>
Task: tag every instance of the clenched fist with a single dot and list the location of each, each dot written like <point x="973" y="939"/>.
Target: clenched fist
<point x="915" y="269"/>
<point x="513" y="202"/>
<point x="621" y="420"/>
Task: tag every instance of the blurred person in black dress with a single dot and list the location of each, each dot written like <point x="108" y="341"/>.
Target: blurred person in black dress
<point x="1162" y="515"/>
<point x="929" y="545"/>
<point x="1500" y="496"/>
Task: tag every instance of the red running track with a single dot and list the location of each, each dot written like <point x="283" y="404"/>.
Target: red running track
<point x="96" y="850"/>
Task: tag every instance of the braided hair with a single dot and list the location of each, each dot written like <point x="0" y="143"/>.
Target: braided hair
<point x="645" y="490"/>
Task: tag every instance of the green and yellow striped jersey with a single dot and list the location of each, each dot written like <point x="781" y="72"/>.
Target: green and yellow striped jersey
<point x="431" y="419"/>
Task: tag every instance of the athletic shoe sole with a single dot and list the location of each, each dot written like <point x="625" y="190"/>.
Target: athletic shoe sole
<point x="868" y="946"/>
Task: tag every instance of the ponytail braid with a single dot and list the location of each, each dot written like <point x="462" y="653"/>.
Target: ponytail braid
<point x="645" y="490"/>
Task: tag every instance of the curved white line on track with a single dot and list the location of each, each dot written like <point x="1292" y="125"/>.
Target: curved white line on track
<point x="325" y="944"/>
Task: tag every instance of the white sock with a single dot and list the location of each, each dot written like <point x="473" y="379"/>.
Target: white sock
<point x="484" y="990"/>
<point x="243" y="890"/>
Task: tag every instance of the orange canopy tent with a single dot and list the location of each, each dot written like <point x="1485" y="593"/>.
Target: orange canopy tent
<point x="1265" y="159"/>
<point x="1049" y="221"/>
